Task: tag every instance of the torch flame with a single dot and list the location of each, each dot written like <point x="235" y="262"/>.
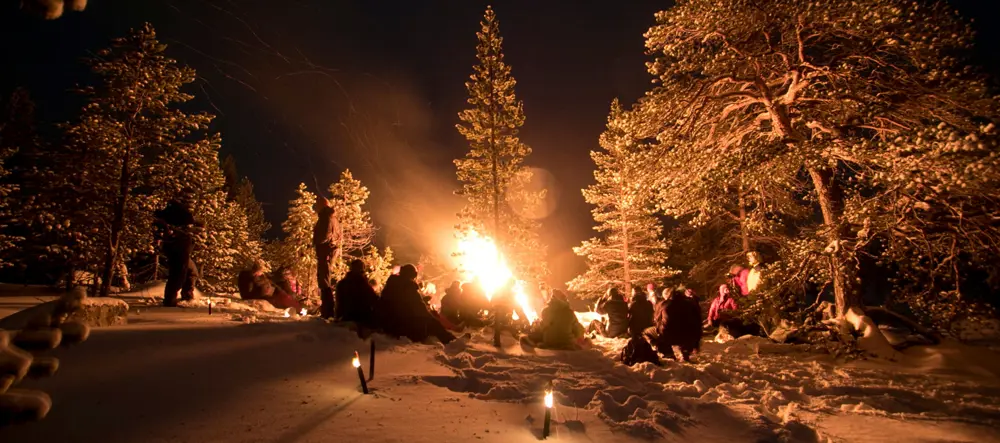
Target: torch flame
<point x="548" y="399"/>
<point x="356" y="362"/>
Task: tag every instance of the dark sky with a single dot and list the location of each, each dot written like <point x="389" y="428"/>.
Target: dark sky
<point x="312" y="87"/>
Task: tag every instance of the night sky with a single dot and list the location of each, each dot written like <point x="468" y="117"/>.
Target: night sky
<point x="310" y="88"/>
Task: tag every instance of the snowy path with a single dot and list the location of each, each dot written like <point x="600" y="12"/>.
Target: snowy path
<point x="274" y="382"/>
<point x="173" y="377"/>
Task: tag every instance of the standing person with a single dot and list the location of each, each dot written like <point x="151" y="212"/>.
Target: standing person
<point x="174" y="228"/>
<point x="640" y="313"/>
<point x="325" y="240"/>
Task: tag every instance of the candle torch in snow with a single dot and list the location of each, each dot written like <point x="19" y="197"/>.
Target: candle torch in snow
<point x="210" y="306"/>
<point x="361" y="372"/>
<point x="546" y="427"/>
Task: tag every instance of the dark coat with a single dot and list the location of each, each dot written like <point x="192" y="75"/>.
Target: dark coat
<point x="401" y="310"/>
<point x="451" y="305"/>
<point x="356" y="299"/>
<point x="617" y="311"/>
<point x="678" y="322"/>
<point x="560" y="328"/>
<point x="326" y="229"/>
<point x="640" y="316"/>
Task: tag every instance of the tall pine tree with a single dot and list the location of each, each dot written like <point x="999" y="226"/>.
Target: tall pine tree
<point x="356" y="229"/>
<point x="296" y="250"/>
<point x="130" y="123"/>
<point x="632" y="251"/>
<point x="492" y="173"/>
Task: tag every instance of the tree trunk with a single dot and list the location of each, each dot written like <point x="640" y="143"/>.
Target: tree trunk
<point x="744" y="232"/>
<point x="832" y="205"/>
<point x="117" y="225"/>
<point x="625" y="245"/>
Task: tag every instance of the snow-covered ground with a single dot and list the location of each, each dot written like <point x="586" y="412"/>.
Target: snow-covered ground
<point x="177" y="375"/>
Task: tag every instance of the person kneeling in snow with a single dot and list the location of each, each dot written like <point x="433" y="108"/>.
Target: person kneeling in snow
<point x="558" y="327"/>
<point x="401" y="310"/>
<point x="356" y="299"/>
<point x="677" y="322"/>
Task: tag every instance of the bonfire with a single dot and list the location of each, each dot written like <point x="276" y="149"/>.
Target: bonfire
<point x="479" y="258"/>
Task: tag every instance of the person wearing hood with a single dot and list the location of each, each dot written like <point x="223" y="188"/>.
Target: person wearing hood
<point x="677" y="322"/>
<point x="558" y="327"/>
<point x="402" y="312"/>
<point x="723" y="307"/>
<point x="355" y="298"/>
<point x="640" y="313"/>
<point x="174" y="227"/>
<point x="451" y="303"/>
<point x="613" y="306"/>
<point x="326" y="237"/>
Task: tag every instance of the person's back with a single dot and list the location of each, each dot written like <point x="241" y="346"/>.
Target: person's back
<point x="355" y="298"/>
<point x="640" y="315"/>
<point x="617" y="311"/>
<point x="560" y="328"/>
<point x="451" y="303"/>
<point x="684" y="325"/>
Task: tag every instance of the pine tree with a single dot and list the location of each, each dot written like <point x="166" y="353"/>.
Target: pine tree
<point x="492" y="173"/>
<point x="17" y="132"/>
<point x="812" y="88"/>
<point x="356" y="229"/>
<point x="240" y="190"/>
<point x="296" y="250"/>
<point x="130" y="123"/>
<point x="632" y="251"/>
<point x="379" y="266"/>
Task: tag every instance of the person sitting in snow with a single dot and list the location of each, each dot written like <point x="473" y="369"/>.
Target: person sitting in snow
<point x="614" y="306"/>
<point x="504" y="307"/>
<point x="356" y="299"/>
<point x="640" y="313"/>
<point x="472" y="304"/>
<point x="558" y="327"/>
<point x="401" y="311"/>
<point x="451" y="303"/>
<point x="677" y="322"/>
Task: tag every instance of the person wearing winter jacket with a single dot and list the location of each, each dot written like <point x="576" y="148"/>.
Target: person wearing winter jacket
<point x="401" y="310"/>
<point x="174" y="228"/>
<point x="677" y="322"/>
<point x="722" y="307"/>
<point x="356" y="299"/>
<point x="471" y="303"/>
<point x="640" y="313"/>
<point x="558" y="327"/>
<point x="613" y="306"/>
<point x="451" y="303"/>
<point x="326" y="236"/>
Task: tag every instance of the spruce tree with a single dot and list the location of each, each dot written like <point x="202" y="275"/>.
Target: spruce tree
<point x="296" y="250"/>
<point x="816" y="88"/>
<point x="379" y="266"/>
<point x="492" y="173"/>
<point x="356" y="229"/>
<point x="130" y="123"/>
<point x="632" y="251"/>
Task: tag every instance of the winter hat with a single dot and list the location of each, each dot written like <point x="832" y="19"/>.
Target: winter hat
<point x="408" y="272"/>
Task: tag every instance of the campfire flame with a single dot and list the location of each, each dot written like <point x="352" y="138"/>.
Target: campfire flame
<point x="302" y="312"/>
<point x="288" y="312"/>
<point x="478" y="257"/>
<point x="586" y="317"/>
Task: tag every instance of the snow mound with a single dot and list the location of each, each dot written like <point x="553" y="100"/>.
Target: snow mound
<point x="773" y="390"/>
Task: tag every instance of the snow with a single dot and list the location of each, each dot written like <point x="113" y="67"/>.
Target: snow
<point x="178" y="374"/>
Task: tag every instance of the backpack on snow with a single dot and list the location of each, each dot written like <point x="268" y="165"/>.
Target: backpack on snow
<point x="638" y="350"/>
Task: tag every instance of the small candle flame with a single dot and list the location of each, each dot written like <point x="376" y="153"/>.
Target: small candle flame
<point x="356" y="362"/>
<point x="548" y="399"/>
